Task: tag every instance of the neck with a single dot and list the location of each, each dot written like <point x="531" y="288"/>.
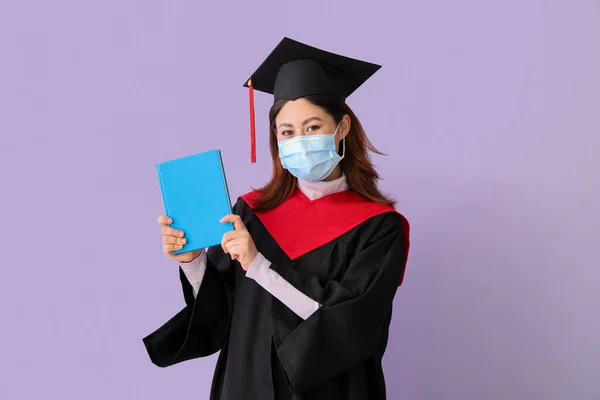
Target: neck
<point x="316" y="190"/>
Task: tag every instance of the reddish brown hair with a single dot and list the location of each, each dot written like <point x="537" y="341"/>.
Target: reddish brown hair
<point x="356" y="164"/>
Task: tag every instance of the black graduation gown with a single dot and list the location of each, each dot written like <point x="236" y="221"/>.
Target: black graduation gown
<point x="266" y="350"/>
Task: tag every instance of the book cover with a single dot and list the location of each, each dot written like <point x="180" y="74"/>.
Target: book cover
<point x="196" y="197"/>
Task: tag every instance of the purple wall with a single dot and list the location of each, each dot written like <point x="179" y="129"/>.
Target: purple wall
<point x="490" y="115"/>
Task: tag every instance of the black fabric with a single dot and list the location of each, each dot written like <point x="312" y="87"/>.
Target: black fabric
<point x="293" y="70"/>
<point x="199" y="329"/>
<point x="267" y="351"/>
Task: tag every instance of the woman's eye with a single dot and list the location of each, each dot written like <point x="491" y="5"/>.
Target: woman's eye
<point x="313" y="128"/>
<point x="286" y="133"/>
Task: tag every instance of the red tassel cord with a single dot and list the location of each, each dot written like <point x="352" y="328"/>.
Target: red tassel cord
<point x="252" y="123"/>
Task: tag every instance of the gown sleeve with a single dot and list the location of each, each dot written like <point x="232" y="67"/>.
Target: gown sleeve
<point x="202" y="326"/>
<point x="347" y="328"/>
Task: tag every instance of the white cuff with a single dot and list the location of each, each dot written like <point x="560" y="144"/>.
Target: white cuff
<point x="258" y="267"/>
<point x="194" y="271"/>
<point x="281" y="289"/>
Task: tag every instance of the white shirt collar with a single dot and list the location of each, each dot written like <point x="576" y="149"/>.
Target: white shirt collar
<point x="316" y="190"/>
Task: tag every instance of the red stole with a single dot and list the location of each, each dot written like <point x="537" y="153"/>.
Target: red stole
<point x="300" y="225"/>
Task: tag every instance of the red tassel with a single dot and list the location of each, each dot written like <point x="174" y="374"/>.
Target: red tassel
<point x="252" y="123"/>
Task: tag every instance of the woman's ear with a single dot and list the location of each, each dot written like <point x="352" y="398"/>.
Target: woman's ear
<point x="344" y="126"/>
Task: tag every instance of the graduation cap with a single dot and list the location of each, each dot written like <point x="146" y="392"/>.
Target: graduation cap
<point x="294" y="70"/>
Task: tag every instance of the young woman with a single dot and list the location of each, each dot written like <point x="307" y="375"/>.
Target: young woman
<point x="298" y="298"/>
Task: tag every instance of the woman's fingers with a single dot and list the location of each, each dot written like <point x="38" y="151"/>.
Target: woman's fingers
<point x="166" y="231"/>
<point x="229" y="236"/>
<point x="174" y="240"/>
<point x="164" y="220"/>
<point x="234" y="248"/>
<point x="236" y="220"/>
<point x="169" y="248"/>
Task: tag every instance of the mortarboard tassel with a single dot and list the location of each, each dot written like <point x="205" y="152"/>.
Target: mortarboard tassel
<point x="252" y="124"/>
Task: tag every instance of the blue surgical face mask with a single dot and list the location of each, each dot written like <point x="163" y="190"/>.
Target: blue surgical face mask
<point x="311" y="157"/>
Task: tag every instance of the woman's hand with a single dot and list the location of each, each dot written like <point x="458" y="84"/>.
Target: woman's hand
<point x="238" y="243"/>
<point x="173" y="240"/>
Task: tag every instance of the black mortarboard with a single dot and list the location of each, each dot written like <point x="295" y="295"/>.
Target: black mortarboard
<point x="294" y="70"/>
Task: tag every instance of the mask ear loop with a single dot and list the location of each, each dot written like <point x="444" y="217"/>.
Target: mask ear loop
<point x="343" y="140"/>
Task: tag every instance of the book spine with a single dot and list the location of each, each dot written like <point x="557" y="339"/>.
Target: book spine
<point x="162" y="190"/>
<point x="224" y="179"/>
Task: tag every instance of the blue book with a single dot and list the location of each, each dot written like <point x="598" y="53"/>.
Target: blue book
<point x="196" y="197"/>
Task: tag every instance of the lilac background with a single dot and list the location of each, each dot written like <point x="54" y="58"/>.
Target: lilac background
<point x="490" y="115"/>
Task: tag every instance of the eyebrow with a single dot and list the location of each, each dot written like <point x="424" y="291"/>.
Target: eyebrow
<point x="306" y="121"/>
